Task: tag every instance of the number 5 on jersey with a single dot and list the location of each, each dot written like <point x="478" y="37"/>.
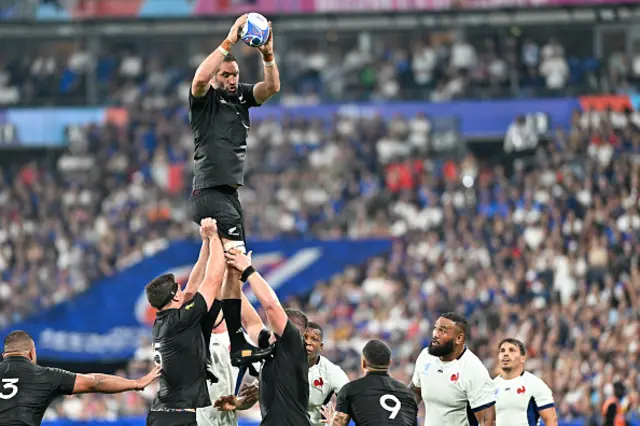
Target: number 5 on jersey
<point x="9" y="388"/>
<point x="393" y="409"/>
<point x="157" y="356"/>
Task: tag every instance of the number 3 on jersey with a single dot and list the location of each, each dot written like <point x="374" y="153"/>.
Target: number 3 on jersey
<point x="9" y="388"/>
<point x="157" y="356"/>
<point x="393" y="409"/>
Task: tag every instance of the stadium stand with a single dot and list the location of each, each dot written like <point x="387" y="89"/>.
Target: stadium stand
<point x="536" y="243"/>
<point x="440" y="66"/>
<point x="540" y="245"/>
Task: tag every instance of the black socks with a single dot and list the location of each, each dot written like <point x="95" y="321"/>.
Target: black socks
<point x="232" y="310"/>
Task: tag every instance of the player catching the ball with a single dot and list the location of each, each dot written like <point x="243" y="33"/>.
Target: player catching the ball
<point x="219" y="117"/>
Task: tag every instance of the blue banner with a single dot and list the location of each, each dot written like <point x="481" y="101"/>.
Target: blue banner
<point x="478" y="119"/>
<point x="44" y="126"/>
<point x="107" y="322"/>
<point x="474" y="119"/>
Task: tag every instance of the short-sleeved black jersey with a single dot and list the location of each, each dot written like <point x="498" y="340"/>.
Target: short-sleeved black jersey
<point x="378" y="400"/>
<point x="26" y="390"/>
<point x="284" y="382"/>
<point x="220" y="125"/>
<point x="179" y="348"/>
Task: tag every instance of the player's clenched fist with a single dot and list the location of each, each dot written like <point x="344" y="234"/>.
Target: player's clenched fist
<point x="209" y="228"/>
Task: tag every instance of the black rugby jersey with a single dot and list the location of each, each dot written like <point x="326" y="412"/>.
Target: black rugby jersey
<point x="27" y="389"/>
<point x="220" y="125"/>
<point x="179" y="348"/>
<point x="377" y="399"/>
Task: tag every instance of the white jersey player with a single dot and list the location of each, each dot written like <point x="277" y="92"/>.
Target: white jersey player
<point x="521" y="398"/>
<point x="452" y="381"/>
<point x="325" y="378"/>
<point x="224" y="414"/>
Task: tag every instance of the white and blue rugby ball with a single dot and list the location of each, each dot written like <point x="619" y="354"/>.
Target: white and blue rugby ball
<point x="255" y="32"/>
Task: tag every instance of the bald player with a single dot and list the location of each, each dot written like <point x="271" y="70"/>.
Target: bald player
<point x="451" y="380"/>
<point x="27" y="389"/>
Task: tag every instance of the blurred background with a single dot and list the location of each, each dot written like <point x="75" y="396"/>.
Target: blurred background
<point x="481" y="156"/>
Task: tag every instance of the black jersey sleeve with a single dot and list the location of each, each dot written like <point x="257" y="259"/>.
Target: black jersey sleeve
<point x="192" y="312"/>
<point x="342" y="401"/>
<point x="197" y="103"/>
<point x="62" y="381"/>
<point x="245" y="93"/>
<point x="291" y="338"/>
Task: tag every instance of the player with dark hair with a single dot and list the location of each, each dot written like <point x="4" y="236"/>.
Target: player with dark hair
<point x="325" y="378"/>
<point x="521" y="398"/>
<point x="27" y="389"/>
<point x="178" y="340"/>
<point x="452" y="381"/>
<point x="219" y="116"/>
<point x="376" y="399"/>
<point x="284" y="383"/>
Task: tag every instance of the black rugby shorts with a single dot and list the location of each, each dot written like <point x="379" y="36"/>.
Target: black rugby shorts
<point x="171" y="418"/>
<point x="222" y="204"/>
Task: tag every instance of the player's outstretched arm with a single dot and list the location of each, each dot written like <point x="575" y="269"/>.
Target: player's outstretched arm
<point x="197" y="273"/>
<point x="265" y="89"/>
<point x="106" y="383"/>
<point x="201" y="80"/>
<point x="251" y="321"/>
<point x="214" y="273"/>
<point x="264" y="293"/>
<point x="486" y="417"/>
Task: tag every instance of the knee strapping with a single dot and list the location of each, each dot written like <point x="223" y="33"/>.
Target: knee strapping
<point x="238" y="245"/>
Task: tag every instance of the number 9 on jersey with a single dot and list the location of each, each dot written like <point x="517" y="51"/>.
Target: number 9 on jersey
<point x="393" y="409"/>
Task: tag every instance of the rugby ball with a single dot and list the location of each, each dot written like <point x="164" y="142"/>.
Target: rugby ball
<point x="255" y="32"/>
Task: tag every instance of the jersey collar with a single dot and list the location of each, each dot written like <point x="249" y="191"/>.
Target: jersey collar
<point x="462" y="353"/>
<point x="377" y="373"/>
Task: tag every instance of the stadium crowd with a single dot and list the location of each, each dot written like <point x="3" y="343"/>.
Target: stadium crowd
<point x="340" y="66"/>
<point x="546" y="253"/>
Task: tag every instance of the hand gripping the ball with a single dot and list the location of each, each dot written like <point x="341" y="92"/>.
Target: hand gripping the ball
<point x="236" y="29"/>
<point x="267" y="48"/>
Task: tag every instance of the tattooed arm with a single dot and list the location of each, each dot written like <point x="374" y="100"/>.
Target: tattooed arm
<point x="340" y="419"/>
<point x="105" y="383"/>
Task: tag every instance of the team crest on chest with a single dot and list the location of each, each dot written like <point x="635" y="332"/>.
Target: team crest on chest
<point x="318" y="382"/>
<point x="521" y="390"/>
<point x="426" y="368"/>
<point x="455" y="377"/>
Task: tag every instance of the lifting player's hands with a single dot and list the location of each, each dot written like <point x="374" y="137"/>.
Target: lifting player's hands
<point x="209" y="228"/>
<point x="267" y="48"/>
<point x="327" y="412"/>
<point x="202" y="233"/>
<point x="234" y="32"/>
<point x="145" y="381"/>
<point x="238" y="260"/>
